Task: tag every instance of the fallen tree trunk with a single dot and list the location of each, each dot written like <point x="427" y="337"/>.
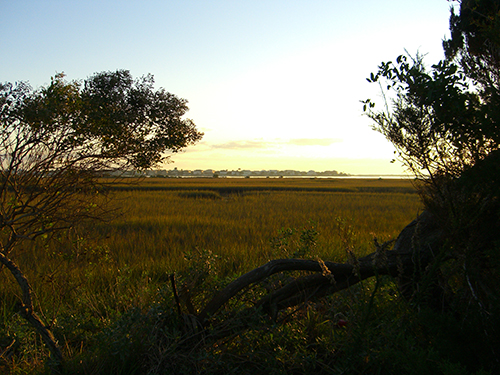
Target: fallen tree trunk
<point x="413" y="250"/>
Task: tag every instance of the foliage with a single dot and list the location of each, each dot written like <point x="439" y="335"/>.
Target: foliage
<point x="382" y="335"/>
<point x="116" y="314"/>
<point x="54" y="143"/>
<point x="444" y="123"/>
<point x="437" y="124"/>
<point x="475" y="41"/>
<point x="444" y="120"/>
<point x="293" y="243"/>
<point x="86" y="279"/>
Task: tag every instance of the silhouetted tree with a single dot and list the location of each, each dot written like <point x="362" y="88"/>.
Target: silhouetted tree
<point x="57" y="140"/>
<point x="445" y="124"/>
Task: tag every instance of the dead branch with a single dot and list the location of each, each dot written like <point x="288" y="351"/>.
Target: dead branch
<point x="414" y="248"/>
<point x="27" y="311"/>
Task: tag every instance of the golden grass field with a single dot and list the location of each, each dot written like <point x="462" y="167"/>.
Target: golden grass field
<point x="120" y="263"/>
<point x="87" y="279"/>
<point x="236" y="218"/>
<point x="159" y="221"/>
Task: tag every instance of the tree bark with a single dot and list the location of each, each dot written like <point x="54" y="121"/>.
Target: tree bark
<point x="415" y="247"/>
<point x="27" y="311"/>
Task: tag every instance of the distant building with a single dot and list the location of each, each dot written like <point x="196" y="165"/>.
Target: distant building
<point x="226" y="173"/>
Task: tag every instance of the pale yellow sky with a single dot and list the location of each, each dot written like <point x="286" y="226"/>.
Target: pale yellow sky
<point x="273" y="84"/>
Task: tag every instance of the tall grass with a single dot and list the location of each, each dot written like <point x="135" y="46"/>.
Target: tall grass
<point x="160" y="226"/>
<point x="85" y="280"/>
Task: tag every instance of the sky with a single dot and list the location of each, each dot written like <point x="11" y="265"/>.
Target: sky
<point x="273" y="84"/>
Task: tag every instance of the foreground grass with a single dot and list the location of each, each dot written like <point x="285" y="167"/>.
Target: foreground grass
<point x="105" y="289"/>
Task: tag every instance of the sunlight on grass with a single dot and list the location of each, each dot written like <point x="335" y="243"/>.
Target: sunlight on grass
<point x="86" y="279"/>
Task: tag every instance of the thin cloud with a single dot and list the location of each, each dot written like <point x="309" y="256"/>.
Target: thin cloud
<point x="238" y="145"/>
<point x="261" y="144"/>
<point x="314" y="141"/>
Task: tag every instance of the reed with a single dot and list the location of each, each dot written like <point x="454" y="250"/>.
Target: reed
<point x="161" y="224"/>
<point x="85" y="279"/>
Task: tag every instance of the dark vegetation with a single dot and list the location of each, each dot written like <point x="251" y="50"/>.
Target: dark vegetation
<point x="425" y="302"/>
<point x="54" y="142"/>
<point x="99" y="290"/>
<point x="227" y="187"/>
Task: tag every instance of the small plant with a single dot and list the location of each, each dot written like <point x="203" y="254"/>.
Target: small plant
<point x="295" y="243"/>
<point x="199" y="278"/>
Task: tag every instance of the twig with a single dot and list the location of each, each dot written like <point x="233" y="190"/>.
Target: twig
<point x="176" y="296"/>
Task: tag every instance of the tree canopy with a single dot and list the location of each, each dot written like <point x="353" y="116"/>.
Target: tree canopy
<point x="110" y="116"/>
<point x="475" y="31"/>
<point x="56" y="141"/>
<point x="444" y="122"/>
<point x="445" y="119"/>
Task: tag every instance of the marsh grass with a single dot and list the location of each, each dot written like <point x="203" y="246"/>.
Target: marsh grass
<point x="163" y="223"/>
<point x="91" y="280"/>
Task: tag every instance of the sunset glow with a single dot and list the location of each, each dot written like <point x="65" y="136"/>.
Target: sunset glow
<point x="272" y="84"/>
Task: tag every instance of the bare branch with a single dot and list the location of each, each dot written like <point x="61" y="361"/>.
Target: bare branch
<point x="412" y="250"/>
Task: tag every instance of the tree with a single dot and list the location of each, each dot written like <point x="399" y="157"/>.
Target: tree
<point x="56" y="141"/>
<point x="430" y="117"/>
<point x="475" y="40"/>
<point x="445" y="125"/>
<point x="443" y="121"/>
